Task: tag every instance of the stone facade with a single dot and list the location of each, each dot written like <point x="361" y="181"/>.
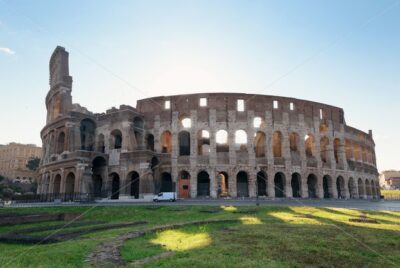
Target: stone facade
<point x="211" y="144"/>
<point x="13" y="160"/>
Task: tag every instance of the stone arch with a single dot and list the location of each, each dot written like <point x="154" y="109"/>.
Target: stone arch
<point x="324" y="143"/>
<point x="87" y="133"/>
<point x="166" y="142"/>
<point x="115" y="185"/>
<point x="70" y="183"/>
<point x="203" y="183"/>
<point x="340" y="187"/>
<point x="262" y="184"/>
<point x="61" y="143"/>
<point x="277" y="144"/>
<point x="116" y="139"/>
<point x="296" y="185"/>
<point x="352" y="188"/>
<point x="150" y="142"/>
<point x="361" y="192"/>
<point x="279" y="184"/>
<point x="309" y="145"/>
<point x="134" y="181"/>
<point x="294" y="142"/>
<point x="203" y="142"/>
<point x="57" y="184"/>
<point x="221" y="139"/>
<point x="166" y="182"/>
<point x="184" y="184"/>
<point x="242" y="184"/>
<point x="312" y="182"/>
<point x="184" y="143"/>
<point x="327" y="185"/>
<point x="241" y="140"/>
<point x="260" y="144"/>
<point x="100" y="143"/>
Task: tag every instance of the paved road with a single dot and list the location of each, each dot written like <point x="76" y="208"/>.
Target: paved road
<point x="354" y="204"/>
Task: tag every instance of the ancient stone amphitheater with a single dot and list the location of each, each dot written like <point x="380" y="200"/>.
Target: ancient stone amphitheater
<point x="202" y="145"/>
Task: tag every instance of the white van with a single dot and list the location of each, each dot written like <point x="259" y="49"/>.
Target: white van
<point x="165" y="196"/>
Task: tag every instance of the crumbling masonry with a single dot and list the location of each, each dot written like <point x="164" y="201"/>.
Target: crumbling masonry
<point x="211" y="144"/>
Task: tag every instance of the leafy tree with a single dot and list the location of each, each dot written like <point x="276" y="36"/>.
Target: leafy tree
<point x="33" y="163"/>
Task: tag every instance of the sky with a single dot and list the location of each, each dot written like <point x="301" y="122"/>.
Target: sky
<point x="344" y="53"/>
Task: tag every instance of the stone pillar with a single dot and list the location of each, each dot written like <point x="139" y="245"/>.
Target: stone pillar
<point x="213" y="144"/>
<point x="231" y="137"/>
<point x="319" y="187"/>
<point x="157" y="134"/>
<point x="304" y="186"/>
<point x="271" y="185"/>
<point x="213" y="183"/>
<point x="252" y="182"/>
<point x="288" y="185"/>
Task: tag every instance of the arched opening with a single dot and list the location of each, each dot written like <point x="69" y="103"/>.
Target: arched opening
<point x="352" y="188"/>
<point x="336" y="148"/>
<point x="279" y="184"/>
<point x="184" y="184"/>
<point x="87" y="133"/>
<point x="150" y="142"/>
<point x="100" y="143"/>
<point x="260" y="144"/>
<point x="166" y="142"/>
<point x="257" y="121"/>
<point x="295" y="183"/>
<point x="116" y="139"/>
<point x="340" y="187"/>
<point x="223" y="184"/>
<point x="323" y="127"/>
<point x="368" y="188"/>
<point x="203" y="142"/>
<point x="221" y="139"/>
<point x="312" y="186"/>
<point x="70" y="183"/>
<point x="241" y="140"/>
<point x="294" y="141"/>
<point x="166" y="182"/>
<point x="242" y="184"/>
<point x="184" y="143"/>
<point x="309" y="145"/>
<point x="261" y="184"/>
<point x="99" y="170"/>
<point x="115" y="185"/>
<point x="349" y="149"/>
<point x="57" y="184"/>
<point x="134" y="180"/>
<point x="277" y="144"/>
<point x="357" y="152"/>
<point x="186" y="122"/>
<point x="203" y="184"/>
<point x="361" y="192"/>
<point x="324" y="149"/>
<point x="61" y="143"/>
<point x="138" y="123"/>
<point x="327" y="186"/>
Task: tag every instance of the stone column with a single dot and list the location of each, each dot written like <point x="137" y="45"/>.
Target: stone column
<point x="213" y="144"/>
<point x="271" y="185"/>
<point x="288" y="185"/>
<point x="319" y="187"/>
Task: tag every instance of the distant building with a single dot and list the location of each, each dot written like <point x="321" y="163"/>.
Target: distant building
<point x="13" y="160"/>
<point x="390" y="179"/>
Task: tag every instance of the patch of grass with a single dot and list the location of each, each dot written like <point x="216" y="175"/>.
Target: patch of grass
<point x="270" y="236"/>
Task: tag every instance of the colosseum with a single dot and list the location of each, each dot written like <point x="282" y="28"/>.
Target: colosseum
<point x="215" y="145"/>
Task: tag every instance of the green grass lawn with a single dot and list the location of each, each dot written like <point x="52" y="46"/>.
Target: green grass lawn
<point x="268" y="236"/>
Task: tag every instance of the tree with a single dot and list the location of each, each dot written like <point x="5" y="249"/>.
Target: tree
<point x="33" y="163"/>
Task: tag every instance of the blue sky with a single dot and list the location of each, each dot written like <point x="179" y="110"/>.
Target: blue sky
<point x="345" y="53"/>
